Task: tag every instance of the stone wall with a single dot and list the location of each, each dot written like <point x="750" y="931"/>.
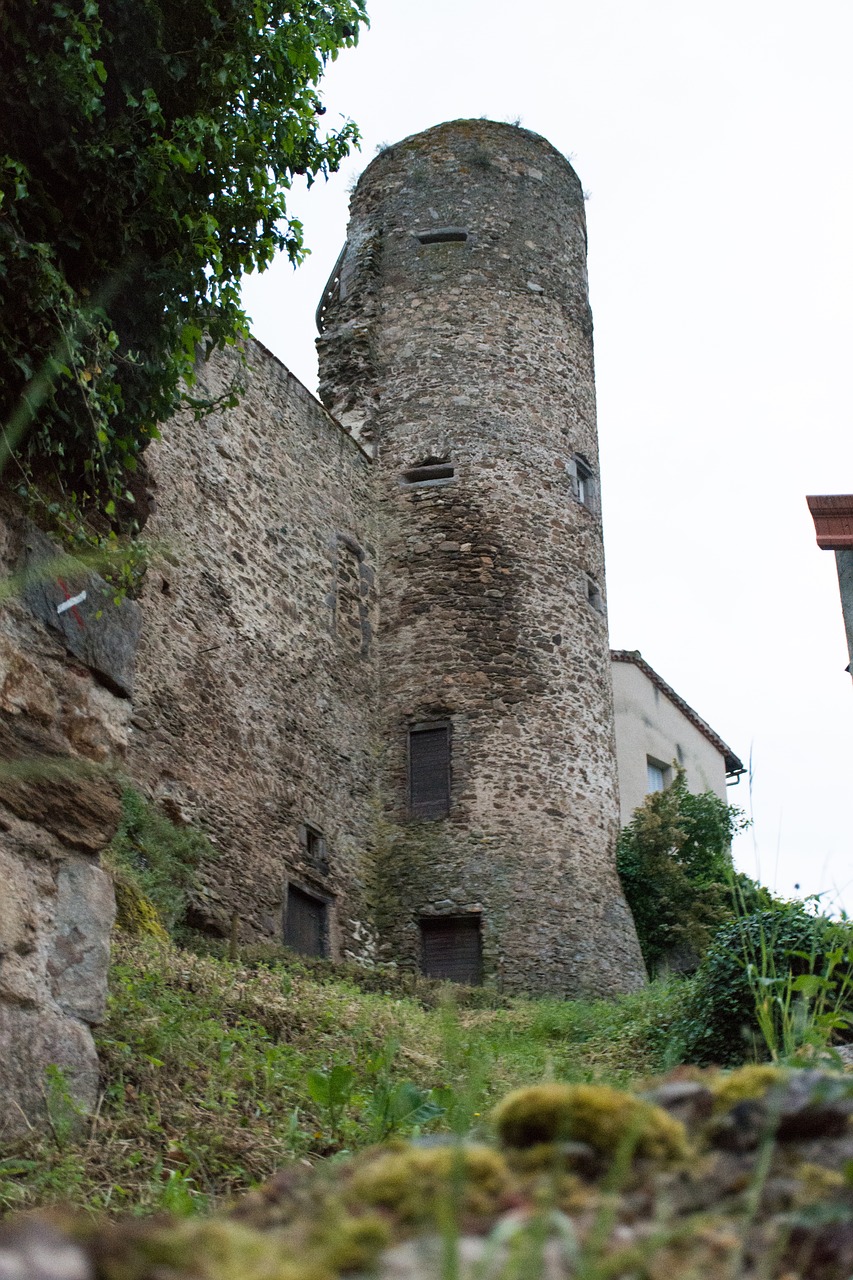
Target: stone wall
<point x="253" y="712"/>
<point x="61" y="724"/>
<point x="460" y="333"/>
<point x="255" y="690"/>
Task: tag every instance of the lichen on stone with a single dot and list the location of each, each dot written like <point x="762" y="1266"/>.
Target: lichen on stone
<point x="818" y="1183"/>
<point x="607" y="1119"/>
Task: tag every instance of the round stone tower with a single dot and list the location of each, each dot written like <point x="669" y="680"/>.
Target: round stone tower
<point x="456" y="343"/>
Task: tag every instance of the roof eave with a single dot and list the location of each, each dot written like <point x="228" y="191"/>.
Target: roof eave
<point x="833" y="520"/>
<point x="733" y="764"/>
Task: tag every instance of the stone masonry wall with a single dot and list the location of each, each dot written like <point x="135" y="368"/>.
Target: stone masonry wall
<point x="253" y="714"/>
<point x="256" y="691"/>
<point x="470" y="317"/>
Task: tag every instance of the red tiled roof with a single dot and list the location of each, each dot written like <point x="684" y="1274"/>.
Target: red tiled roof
<point x="833" y="521"/>
<point x="733" y="763"/>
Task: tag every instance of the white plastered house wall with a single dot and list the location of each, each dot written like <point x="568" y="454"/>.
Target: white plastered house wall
<point x="655" y="728"/>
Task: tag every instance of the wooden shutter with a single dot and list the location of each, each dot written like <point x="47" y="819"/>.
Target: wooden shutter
<point x="451" y="949"/>
<point x="429" y="771"/>
<point x="305" y="923"/>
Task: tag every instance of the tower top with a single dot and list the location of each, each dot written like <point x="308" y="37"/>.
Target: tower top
<point x="454" y="135"/>
<point x="461" y="217"/>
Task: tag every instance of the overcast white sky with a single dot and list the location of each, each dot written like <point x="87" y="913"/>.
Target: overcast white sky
<point x="714" y="141"/>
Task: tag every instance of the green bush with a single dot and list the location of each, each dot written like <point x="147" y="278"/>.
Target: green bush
<point x="674" y="861"/>
<point x="752" y="984"/>
<point x="155" y="858"/>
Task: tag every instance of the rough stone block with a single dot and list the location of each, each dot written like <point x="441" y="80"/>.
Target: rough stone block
<point x="24" y="885"/>
<point x="79" y="952"/>
<point x="33" y="1040"/>
<point x="102" y="634"/>
<point x="66" y="795"/>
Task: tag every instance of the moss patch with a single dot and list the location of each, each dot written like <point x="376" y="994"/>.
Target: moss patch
<point x="605" y="1118"/>
<point x="136" y="914"/>
<point x="207" y="1250"/>
<point x="752" y="1081"/>
<point x="416" y="1183"/>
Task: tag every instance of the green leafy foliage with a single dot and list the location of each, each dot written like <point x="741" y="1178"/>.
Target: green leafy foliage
<point x="675" y="865"/>
<point x="395" y="1105"/>
<point x="771" y="980"/>
<point x="391" y="1105"/>
<point x="206" y="1066"/>
<point x="160" y="859"/>
<point x="63" y="1113"/>
<point x="147" y="151"/>
<point x="331" y="1090"/>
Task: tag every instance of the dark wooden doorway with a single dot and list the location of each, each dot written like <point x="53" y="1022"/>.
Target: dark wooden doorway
<point x="305" y="923"/>
<point x="451" y="948"/>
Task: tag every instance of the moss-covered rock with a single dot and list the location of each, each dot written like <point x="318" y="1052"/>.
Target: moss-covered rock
<point x="350" y="1243"/>
<point x="212" y="1249"/>
<point x="136" y="914"/>
<point x="751" y="1081"/>
<point x="416" y="1182"/>
<point x="606" y="1119"/>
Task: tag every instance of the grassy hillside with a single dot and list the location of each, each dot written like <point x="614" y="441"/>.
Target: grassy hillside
<point x="215" y="1073"/>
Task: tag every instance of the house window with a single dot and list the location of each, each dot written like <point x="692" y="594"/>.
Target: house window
<point x="429" y="472"/>
<point x="451" y="948"/>
<point x="443" y="235"/>
<point x="429" y="771"/>
<point x="657" y="775"/>
<point x="305" y="923"/>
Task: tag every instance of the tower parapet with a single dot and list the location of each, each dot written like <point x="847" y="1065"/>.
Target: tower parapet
<point x="457" y="342"/>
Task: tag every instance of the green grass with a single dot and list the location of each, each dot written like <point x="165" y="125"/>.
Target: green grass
<point x="216" y="1073"/>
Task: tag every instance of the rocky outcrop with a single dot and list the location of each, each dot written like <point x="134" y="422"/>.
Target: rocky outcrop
<point x="64" y="718"/>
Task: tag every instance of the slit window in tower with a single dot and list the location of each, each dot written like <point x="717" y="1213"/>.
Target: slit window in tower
<point x="584" y="481"/>
<point x="593" y="595"/>
<point x="429" y="771"/>
<point x="431" y="471"/>
<point x="451" y="948"/>
<point x="443" y="235"/>
<point x="314" y="848"/>
<point x="305" y="923"/>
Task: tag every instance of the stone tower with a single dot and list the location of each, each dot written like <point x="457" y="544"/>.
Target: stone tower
<point x="456" y="344"/>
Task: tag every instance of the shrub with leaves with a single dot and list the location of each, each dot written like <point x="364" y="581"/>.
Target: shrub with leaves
<point x="755" y="989"/>
<point x="145" y="160"/>
<point x="675" y="864"/>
